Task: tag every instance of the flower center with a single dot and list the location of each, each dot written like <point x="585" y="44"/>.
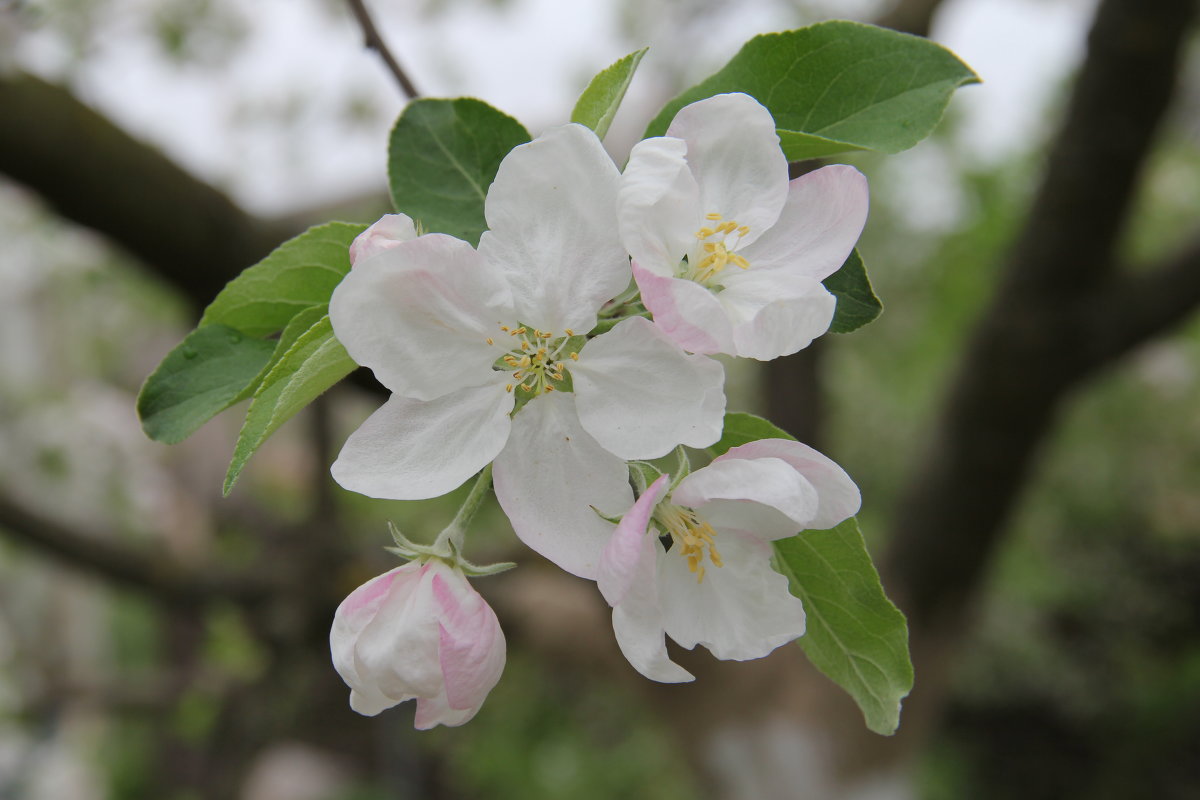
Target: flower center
<point x="533" y="358"/>
<point x="717" y="243"/>
<point x="690" y="535"/>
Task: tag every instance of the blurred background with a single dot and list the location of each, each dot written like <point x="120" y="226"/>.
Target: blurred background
<point x="1023" y="420"/>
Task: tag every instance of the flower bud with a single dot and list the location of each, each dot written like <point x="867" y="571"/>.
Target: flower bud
<point x="389" y="231"/>
<point x="418" y="632"/>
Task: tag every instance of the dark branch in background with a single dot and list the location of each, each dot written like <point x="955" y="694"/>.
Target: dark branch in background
<point x="150" y="573"/>
<point x="374" y="41"/>
<point x="1029" y="349"/>
<point x="92" y="172"/>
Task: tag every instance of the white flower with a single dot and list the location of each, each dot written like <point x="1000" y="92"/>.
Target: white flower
<point x="389" y="231"/>
<point x="715" y="585"/>
<point x="459" y="335"/>
<point x="418" y="632"/>
<point x="728" y="255"/>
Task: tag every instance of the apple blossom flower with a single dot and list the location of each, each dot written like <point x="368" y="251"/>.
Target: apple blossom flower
<point x="418" y="632"/>
<point x="465" y="337"/>
<point x="715" y="585"/>
<point x="729" y="255"/>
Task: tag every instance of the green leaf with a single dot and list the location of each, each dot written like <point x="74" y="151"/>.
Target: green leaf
<point x="856" y="301"/>
<point x="741" y="428"/>
<point x="855" y="636"/>
<point x="443" y="156"/>
<point x="838" y="86"/>
<point x="210" y="370"/>
<point x="300" y="273"/>
<point x="598" y="104"/>
<point x="311" y="365"/>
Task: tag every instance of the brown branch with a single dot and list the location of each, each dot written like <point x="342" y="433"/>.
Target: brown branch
<point x="374" y="41"/>
<point x="146" y="572"/>
<point x="1140" y="307"/>
<point x="92" y="172"/>
<point x="1029" y="349"/>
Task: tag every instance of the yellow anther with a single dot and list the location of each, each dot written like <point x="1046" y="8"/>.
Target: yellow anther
<point x="490" y="340"/>
<point x="524" y="345"/>
<point x="546" y="335"/>
<point x="527" y="388"/>
<point x="714" y="556"/>
<point x="524" y="362"/>
<point x="569" y="332"/>
<point x="574" y="356"/>
<point x="742" y="231"/>
<point x="741" y="262"/>
<point x="517" y="375"/>
<point x="559" y="366"/>
<point x="713" y="216"/>
<point x="508" y="388"/>
<point x="504" y="328"/>
<point x="728" y="227"/>
<point x="704" y="233"/>
<point x="711" y="247"/>
<point x="519" y="331"/>
<point x="541" y="353"/>
<point x="549" y="388"/>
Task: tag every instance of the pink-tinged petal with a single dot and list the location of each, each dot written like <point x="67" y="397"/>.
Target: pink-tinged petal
<point x="436" y="710"/>
<point x="741" y="610"/>
<point x="357" y="610"/>
<point x="552" y="219"/>
<point x="548" y="477"/>
<point x="734" y="152"/>
<point x="658" y="206"/>
<point x="397" y="651"/>
<point x="472" y="651"/>
<point x="765" y="497"/>
<point x="824" y="215"/>
<point x="639" y="395"/>
<point x="775" y="313"/>
<point x="838" y="496"/>
<point x="389" y="231"/>
<point x="690" y="315"/>
<point x="411" y="450"/>
<point x="622" y="555"/>
<point x="638" y="621"/>
<point x="419" y="315"/>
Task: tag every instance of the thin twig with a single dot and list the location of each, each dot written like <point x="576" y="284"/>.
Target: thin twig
<point x="374" y="41"/>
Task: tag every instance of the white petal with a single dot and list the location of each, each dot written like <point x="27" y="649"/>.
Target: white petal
<point x="825" y="212"/>
<point x="397" y="651"/>
<point x="638" y="621"/>
<point x="639" y="395"/>
<point x="765" y="497"/>
<point x="419" y="315"/>
<point x="471" y="649"/>
<point x="775" y="313"/>
<point x="411" y="450"/>
<point x="436" y="710"/>
<point x="548" y="477"/>
<point x="355" y="613"/>
<point x="742" y="610"/>
<point x="838" y="496"/>
<point x="658" y="206"/>
<point x="734" y="153"/>
<point x="389" y="231"/>
<point x="552" y="219"/>
<point x="620" y="561"/>
<point x="690" y="315"/>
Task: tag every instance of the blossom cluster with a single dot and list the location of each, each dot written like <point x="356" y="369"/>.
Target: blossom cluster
<point x="574" y="342"/>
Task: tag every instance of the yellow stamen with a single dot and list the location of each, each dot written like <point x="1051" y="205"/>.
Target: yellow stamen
<point x="490" y="340"/>
<point x="713" y="216"/>
<point x="574" y="356"/>
<point x="569" y="332"/>
<point x="508" y="388"/>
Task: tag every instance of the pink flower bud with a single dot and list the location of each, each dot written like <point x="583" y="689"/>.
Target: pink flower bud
<point x="389" y="231"/>
<point x="418" y="632"/>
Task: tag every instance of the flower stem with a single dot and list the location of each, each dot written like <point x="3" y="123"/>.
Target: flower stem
<point x="605" y="325"/>
<point x="457" y="529"/>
